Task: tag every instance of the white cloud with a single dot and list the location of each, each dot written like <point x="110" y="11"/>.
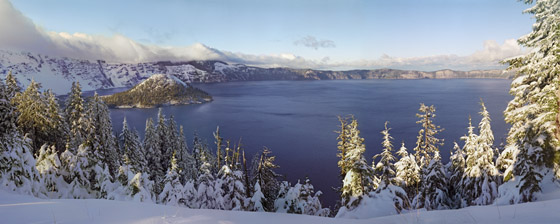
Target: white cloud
<point x="20" y="33"/>
<point x="312" y="42"/>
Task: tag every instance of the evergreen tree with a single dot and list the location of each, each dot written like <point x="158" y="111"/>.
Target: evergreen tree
<point x="100" y="134"/>
<point x="8" y="116"/>
<point x="533" y="113"/>
<point x="407" y="172"/>
<point x="132" y="148"/>
<point x="263" y="172"/>
<point x="55" y="127"/>
<point x="359" y="178"/>
<point x="48" y="166"/>
<point x="427" y="144"/>
<point x="172" y="191"/>
<point x="342" y="145"/>
<point x="197" y="151"/>
<point x="479" y="182"/>
<point x="12" y="85"/>
<point x="75" y="116"/>
<point x="103" y="180"/>
<point x="300" y="199"/>
<point x="385" y="166"/>
<point x="185" y="159"/>
<point x="506" y="161"/>
<point x="174" y="140"/>
<point x="31" y="108"/>
<point x="164" y="141"/>
<point x="258" y="199"/>
<point x="206" y="183"/>
<point x="133" y="186"/>
<point x="456" y="170"/>
<point x="153" y="153"/>
<point x="433" y="190"/>
<point x="233" y="188"/>
<point x="17" y="167"/>
<point x="190" y="195"/>
<point x="80" y="170"/>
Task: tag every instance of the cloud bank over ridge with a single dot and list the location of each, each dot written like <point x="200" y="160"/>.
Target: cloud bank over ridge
<point x="21" y="34"/>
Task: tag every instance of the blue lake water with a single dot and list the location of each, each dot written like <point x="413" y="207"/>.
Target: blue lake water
<point x="297" y="120"/>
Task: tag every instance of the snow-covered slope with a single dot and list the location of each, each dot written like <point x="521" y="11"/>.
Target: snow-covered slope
<point x="58" y="73"/>
<point x="26" y="209"/>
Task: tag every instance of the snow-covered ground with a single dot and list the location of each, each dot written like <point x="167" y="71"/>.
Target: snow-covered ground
<point x="16" y="208"/>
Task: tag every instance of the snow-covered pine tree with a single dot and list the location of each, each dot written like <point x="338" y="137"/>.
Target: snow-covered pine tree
<point x="258" y="199"/>
<point x="8" y="116"/>
<point x="172" y="191"/>
<point x="386" y="170"/>
<point x="132" y="148"/>
<point x="342" y="145"/>
<point x="533" y="113"/>
<point x="48" y="165"/>
<point x="233" y="188"/>
<point x="359" y="178"/>
<point x="485" y="135"/>
<point x="17" y="167"/>
<point x="433" y="190"/>
<point x="407" y="172"/>
<point x="197" y="150"/>
<point x="173" y="136"/>
<point x="12" y="85"/>
<point x="456" y="170"/>
<point x="263" y="166"/>
<point x="185" y="160"/>
<point x="190" y="194"/>
<point x="75" y="116"/>
<point x="153" y="154"/>
<point x="142" y="186"/>
<point x="299" y="199"/>
<point x="100" y="134"/>
<point x="280" y="204"/>
<point x="206" y="183"/>
<point x="31" y="109"/>
<point x="506" y="160"/>
<point x="55" y="130"/>
<point x="385" y="167"/>
<point x="164" y="141"/>
<point x="132" y="186"/>
<point x="427" y="143"/>
<point x="480" y="180"/>
<point x="103" y="180"/>
<point x="219" y="194"/>
<point x="80" y="167"/>
<point x="309" y="200"/>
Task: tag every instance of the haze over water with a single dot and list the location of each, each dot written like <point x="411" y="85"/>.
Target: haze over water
<point x="297" y="120"/>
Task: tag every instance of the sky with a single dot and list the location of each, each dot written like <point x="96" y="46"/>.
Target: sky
<point x="318" y="34"/>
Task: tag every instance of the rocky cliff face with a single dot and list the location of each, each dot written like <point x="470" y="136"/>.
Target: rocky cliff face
<point x="58" y="73"/>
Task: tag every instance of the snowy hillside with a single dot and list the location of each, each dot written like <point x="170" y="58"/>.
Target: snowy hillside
<point x="58" y="73"/>
<point x="26" y="209"/>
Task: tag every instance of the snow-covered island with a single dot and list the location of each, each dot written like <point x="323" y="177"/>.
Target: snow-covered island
<point x="158" y="90"/>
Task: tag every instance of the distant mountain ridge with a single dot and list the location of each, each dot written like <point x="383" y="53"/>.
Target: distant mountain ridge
<point x="158" y="90"/>
<point x="58" y="73"/>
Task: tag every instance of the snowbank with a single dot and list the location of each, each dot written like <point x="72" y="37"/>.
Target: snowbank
<point x="26" y="209"/>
